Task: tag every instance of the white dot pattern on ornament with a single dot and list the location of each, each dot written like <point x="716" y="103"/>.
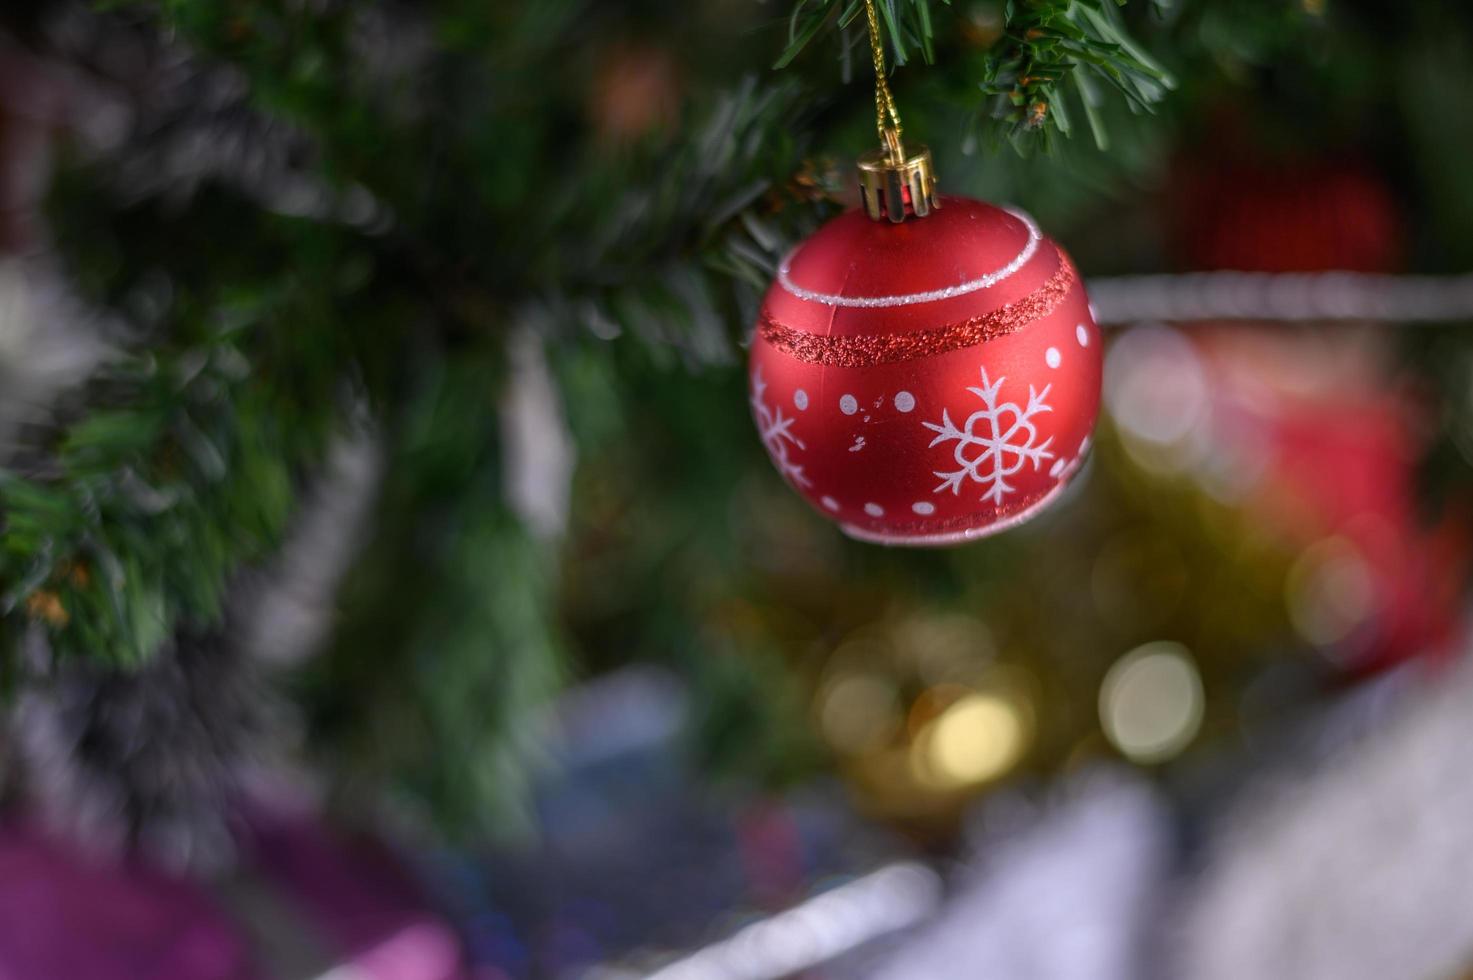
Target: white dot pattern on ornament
<point x="1057" y="468"/>
<point x="1081" y="333"/>
<point x="874" y="510"/>
<point x="905" y="401"/>
<point x="848" y="404"/>
<point x="956" y="537"/>
<point x="923" y="507"/>
<point x="1051" y="357"/>
<point x="907" y="299"/>
<point x="830" y="503"/>
<point x="800" y="399"/>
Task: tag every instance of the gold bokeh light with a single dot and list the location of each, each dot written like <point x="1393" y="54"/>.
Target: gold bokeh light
<point x="976" y="739"/>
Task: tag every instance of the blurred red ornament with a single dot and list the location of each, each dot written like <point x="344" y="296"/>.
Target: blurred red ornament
<point x="928" y="381"/>
<point x="1256" y="217"/>
<point x="1340" y="441"/>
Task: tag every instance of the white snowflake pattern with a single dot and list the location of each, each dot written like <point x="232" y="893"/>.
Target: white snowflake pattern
<point x="1005" y="448"/>
<point x="777" y="432"/>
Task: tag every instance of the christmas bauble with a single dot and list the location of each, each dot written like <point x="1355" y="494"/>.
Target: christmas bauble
<point x="927" y="381"/>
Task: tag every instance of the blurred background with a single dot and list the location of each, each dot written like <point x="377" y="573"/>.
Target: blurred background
<point x="394" y="585"/>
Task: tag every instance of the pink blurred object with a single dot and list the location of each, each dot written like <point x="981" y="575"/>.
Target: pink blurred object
<point x="356" y="895"/>
<point x="771" y="848"/>
<point x="66" y="916"/>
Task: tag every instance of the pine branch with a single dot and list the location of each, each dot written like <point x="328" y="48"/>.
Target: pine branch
<point x="178" y="464"/>
<point x="907" y="27"/>
<point x="1052" y="47"/>
<point x="433" y="681"/>
<point x="179" y="472"/>
<point x="1049" y="51"/>
<point x="700" y="227"/>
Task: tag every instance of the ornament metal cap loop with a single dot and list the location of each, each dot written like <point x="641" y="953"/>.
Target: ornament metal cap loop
<point x="894" y="184"/>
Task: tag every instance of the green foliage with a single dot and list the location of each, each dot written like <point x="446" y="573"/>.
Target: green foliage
<point x="1050" y="47"/>
<point x="175" y="473"/>
<point x="179" y="464"/>
<point x="906" y="26"/>
<point x="448" y="641"/>
<point x="415" y="184"/>
<point x="1048" y="50"/>
<point x="156" y="497"/>
<point x="680" y="260"/>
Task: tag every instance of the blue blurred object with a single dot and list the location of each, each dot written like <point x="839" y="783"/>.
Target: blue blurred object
<point x="630" y="854"/>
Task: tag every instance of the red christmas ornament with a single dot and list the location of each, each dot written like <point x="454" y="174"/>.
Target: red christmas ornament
<point x="929" y="380"/>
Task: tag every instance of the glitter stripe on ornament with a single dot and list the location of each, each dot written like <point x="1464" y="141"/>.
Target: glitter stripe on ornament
<point x="907" y="299"/>
<point x="872" y="349"/>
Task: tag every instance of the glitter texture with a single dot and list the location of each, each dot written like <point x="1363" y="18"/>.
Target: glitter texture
<point x="888" y="348"/>
<point x="960" y="289"/>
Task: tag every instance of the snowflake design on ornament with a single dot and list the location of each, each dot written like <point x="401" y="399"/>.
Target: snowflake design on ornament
<point x="777" y="432"/>
<point x="1004" y="434"/>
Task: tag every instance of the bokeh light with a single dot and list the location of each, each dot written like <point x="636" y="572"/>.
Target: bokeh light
<point x="1155" y="388"/>
<point x="1330" y="591"/>
<point x="977" y="739"/>
<point x="943" y="647"/>
<point x="858" y="711"/>
<point x="1151" y="702"/>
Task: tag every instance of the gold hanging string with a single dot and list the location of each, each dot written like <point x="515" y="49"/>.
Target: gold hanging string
<point x="893" y="185"/>
<point x="884" y="101"/>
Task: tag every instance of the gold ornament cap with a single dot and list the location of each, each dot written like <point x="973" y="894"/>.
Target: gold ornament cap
<point x="890" y="180"/>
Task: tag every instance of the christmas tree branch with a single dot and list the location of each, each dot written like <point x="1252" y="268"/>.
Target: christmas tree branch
<point x="180" y="470"/>
<point x="906" y="26"/>
<point x="1049" y="52"/>
<point x="458" y="657"/>
<point x="173" y="474"/>
<point x="1050" y="47"/>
